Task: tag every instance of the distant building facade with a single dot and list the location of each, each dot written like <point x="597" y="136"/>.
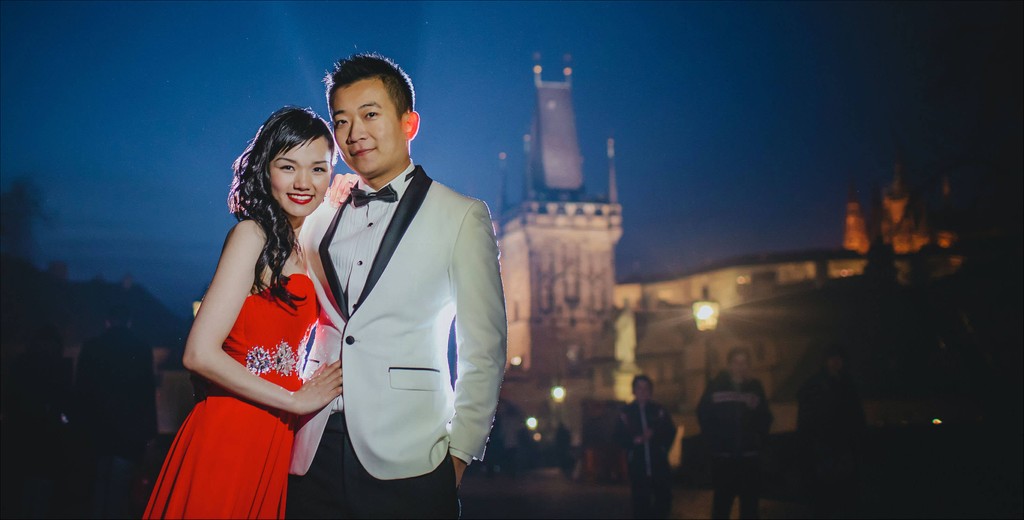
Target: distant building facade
<point x="573" y="325"/>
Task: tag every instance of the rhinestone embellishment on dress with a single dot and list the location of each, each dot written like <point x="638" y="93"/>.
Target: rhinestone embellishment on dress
<point x="282" y="360"/>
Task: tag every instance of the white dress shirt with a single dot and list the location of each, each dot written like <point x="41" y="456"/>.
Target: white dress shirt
<point x="357" y="240"/>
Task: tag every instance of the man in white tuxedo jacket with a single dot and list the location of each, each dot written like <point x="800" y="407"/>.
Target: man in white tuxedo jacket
<point x="393" y="264"/>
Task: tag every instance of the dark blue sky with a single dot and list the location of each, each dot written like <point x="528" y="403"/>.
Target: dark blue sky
<point x="738" y="125"/>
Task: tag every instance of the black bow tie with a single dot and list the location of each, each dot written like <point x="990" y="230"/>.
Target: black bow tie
<point x="362" y="198"/>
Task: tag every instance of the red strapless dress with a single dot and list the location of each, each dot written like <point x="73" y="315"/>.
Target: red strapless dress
<point x="230" y="458"/>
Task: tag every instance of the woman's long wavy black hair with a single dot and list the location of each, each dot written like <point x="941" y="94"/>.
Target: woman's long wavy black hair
<point x="250" y="197"/>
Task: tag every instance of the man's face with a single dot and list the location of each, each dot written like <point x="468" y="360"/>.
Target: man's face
<point x="739" y="367"/>
<point x="372" y="136"/>
<point x="642" y="391"/>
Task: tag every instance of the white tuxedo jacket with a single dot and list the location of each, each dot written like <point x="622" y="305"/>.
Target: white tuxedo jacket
<point x="438" y="259"/>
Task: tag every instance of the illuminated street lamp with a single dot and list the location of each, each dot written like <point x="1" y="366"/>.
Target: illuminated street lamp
<point x="531" y="423"/>
<point x="558" y="396"/>
<point x="705" y="315"/>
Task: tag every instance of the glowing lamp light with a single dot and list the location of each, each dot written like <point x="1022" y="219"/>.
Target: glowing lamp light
<point x="536" y="437"/>
<point x="705" y="313"/>
<point x="531" y="423"/>
<point x="936" y="421"/>
<point x="536" y="69"/>
<point x="945" y="239"/>
<point x="516" y="360"/>
<point x="558" y="393"/>
<point x="567" y="71"/>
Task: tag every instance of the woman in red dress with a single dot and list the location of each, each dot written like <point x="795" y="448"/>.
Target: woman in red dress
<point x="230" y="457"/>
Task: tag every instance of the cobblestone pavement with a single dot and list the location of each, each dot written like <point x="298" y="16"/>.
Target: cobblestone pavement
<point x="546" y="493"/>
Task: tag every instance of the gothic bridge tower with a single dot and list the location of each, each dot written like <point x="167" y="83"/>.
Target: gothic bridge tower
<point x="558" y="250"/>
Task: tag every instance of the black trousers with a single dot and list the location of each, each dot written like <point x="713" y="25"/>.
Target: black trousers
<point x="652" y="495"/>
<point x="337" y="486"/>
<point x="732" y="477"/>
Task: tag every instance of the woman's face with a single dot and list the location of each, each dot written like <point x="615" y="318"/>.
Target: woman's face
<point x="299" y="178"/>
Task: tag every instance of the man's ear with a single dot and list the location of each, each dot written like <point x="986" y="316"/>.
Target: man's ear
<point x="411" y="124"/>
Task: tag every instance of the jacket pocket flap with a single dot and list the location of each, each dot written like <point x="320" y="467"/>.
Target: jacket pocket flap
<point x="414" y="378"/>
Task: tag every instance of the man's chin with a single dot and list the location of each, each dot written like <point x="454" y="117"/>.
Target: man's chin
<point x="356" y="167"/>
<point x="367" y="168"/>
<point x="380" y="174"/>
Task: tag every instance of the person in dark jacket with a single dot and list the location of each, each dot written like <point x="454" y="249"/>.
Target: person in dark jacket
<point x="646" y="431"/>
<point x="734" y="420"/>
<point x="831" y="426"/>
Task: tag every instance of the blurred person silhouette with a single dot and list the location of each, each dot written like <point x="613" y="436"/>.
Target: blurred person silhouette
<point x="36" y="423"/>
<point x="115" y="394"/>
<point x="831" y="426"/>
<point x="230" y="457"/>
<point x="735" y="420"/>
<point x="563" y="449"/>
<point x="502" y="446"/>
<point x="646" y="431"/>
<point x="495" y="447"/>
<point x="512" y="432"/>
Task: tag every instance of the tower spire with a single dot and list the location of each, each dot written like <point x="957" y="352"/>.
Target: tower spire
<point x="898" y="180"/>
<point x="528" y="193"/>
<point x="502" y="175"/>
<point x="947" y="192"/>
<point x="567" y="70"/>
<point x="556" y="166"/>
<point x="613" y="188"/>
<point x="536" y="69"/>
<point x="855" y="233"/>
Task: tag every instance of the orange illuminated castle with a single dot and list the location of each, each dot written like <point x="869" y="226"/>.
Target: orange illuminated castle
<point x="900" y="219"/>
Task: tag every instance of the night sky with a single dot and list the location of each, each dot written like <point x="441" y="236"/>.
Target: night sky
<point x="738" y="126"/>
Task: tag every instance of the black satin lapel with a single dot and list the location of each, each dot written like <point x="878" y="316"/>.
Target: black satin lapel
<point x="329" y="270"/>
<point x="404" y="213"/>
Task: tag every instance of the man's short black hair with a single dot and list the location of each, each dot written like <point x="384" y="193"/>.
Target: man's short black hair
<point x="372" y="65"/>
<point x="640" y="377"/>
